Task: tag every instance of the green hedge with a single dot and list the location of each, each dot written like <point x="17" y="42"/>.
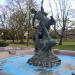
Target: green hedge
<point x="3" y="44"/>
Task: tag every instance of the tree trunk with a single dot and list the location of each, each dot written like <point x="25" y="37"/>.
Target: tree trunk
<point x="13" y="40"/>
<point x="29" y="13"/>
<point x="61" y="40"/>
<point x="28" y="38"/>
<point x="22" y="38"/>
<point x="62" y="35"/>
<point x="21" y="41"/>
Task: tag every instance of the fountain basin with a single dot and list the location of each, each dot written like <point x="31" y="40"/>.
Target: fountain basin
<point x="17" y="65"/>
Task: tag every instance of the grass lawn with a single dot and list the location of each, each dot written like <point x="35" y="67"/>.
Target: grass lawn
<point x="67" y="45"/>
<point x="20" y="45"/>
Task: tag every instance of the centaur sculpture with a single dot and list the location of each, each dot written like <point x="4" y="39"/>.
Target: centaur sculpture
<point x="44" y="55"/>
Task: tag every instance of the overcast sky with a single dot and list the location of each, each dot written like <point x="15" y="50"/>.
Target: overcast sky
<point x="46" y="2"/>
<point x="46" y="5"/>
<point x="2" y="2"/>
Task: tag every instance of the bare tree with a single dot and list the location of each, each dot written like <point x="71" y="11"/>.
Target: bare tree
<point x="3" y="20"/>
<point x="21" y="10"/>
<point x="18" y="23"/>
<point x="29" y="5"/>
<point x="63" y="16"/>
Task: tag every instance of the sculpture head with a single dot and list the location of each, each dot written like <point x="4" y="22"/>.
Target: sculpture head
<point x="33" y="11"/>
<point x="52" y="20"/>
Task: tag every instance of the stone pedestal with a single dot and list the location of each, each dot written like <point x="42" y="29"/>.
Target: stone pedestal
<point x="44" y="59"/>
